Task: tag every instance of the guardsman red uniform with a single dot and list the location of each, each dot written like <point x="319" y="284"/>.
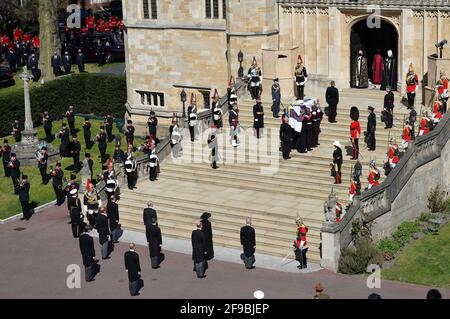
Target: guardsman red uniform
<point x="36" y="42"/>
<point x="5" y="41"/>
<point x="442" y="85"/>
<point x="90" y="22"/>
<point x="100" y="25"/>
<point x="17" y="34"/>
<point x="393" y="155"/>
<point x="120" y="25"/>
<point x="424" y="129"/>
<point x="26" y="37"/>
<point x="355" y="132"/>
<point x="406" y="137"/>
<point x="84" y="30"/>
<point x="374" y="175"/>
<point x="351" y="191"/>
<point x="113" y="22"/>
<point x="339" y="211"/>
<point x="301" y="235"/>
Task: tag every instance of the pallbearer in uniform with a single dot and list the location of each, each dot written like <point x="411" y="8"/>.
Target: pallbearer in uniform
<point x="255" y="78"/>
<point x="153" y="164"/>
<point x="57" y="175"/>
<point x="217" y="111"/>
<point x="5" y="152"/>
<point x="337" y="162"/>
<point x="129" y="133"/>
<point x="308" y="129"/>
<point x="301" y="244"/>
<point x="374" y="175"/>
<point x="192" y="117"/>
<point x="300" y="78"/>
<point x="87" y="133"/>
<point x="258" y="117"/>
<point x="276" y="98"/>
<point x="355" y="131"/>
<point x="412" y="81"/>
<point x="47" y="122"/>
<point x="371" y="128"/>
<point x="248" y="242"/>
<point x="70" y="115"/>
<point x="285" y="137"/>
<point x="234" y="125"/>
<point x="130" y="169"/>
<point x="42" y="159"/>
<point x="317" y="115"/>
<point x="14" y="168"/>
<point x="212" y="144"/>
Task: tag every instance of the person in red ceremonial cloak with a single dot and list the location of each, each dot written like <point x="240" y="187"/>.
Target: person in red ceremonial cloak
<point x="36" y="42"/>
<point x="17" y="34"/>
<point x="377" y="67"/>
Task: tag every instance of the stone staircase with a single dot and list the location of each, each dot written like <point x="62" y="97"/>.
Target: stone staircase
<point x="265" y="187"/>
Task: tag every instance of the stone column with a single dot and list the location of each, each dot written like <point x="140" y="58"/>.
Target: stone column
<point x="29" y="134"/>
<point x="331" y="250"/>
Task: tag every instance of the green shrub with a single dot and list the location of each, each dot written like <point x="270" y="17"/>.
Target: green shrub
<point x="404" y="232"/>
<point x="424" y="217"/>
<point x="89" y="93"/>
<point x="354" y="260"/>
<point x="388" y="246"/>
<point x="437" y="201"/>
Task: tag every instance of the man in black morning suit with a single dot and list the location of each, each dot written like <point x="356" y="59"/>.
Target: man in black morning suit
<point x="133" y="268"/>
<point x="248" y="242"/>
<point x="154" y="239"/>
<point x="149" y="214"/>
<point x="88" y="253"/>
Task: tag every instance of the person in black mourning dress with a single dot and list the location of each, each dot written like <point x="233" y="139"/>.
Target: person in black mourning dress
<point x="154" y="240"/>
<point x="133" y="267"/>
<point x="24" y="197"/>
<point x="285" y="137"/>
<point x="207" y="230"/>
<point x="198" y="251"/>
<point x="332" y="98"/>
<point x="337" y="162"/>
<point x="103" y="232"/>
<point x="88" y="253"/>
<point x="248" y="242"/>
<point x="149" y="215"/>
<point x="112" y="211"/>
<point x="371" y="127"/>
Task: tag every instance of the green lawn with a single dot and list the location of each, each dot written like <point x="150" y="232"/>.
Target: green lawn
<point x="425" y="262"/>
<point x="41" y="194"/>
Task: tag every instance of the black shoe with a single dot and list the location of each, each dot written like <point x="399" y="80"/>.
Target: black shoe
<point x="93" y="279"/>
<point x="252" y="267"/>
<point x="69" y="222"/>
<point x="299" y="267"/>
<point x="106" y="258"/>
<point x="23" y="218"/>
<point x="310" y="149"/>
<point x="156" y="267"/>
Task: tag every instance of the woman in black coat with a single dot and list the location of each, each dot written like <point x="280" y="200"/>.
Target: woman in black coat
<point x="207" y="230"/>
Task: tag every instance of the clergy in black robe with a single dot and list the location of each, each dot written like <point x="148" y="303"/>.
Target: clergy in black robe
<point x="88" y="253"/>
<point x="258" y="117"/>
<point x="360" y="76"/>
<point x="198" y="251"/>
<point x="154" y="240"/>
<point x="389" y="75"/>
<point x="207" y="230"/>
<point x="248" y="243"/>
<point x="133" y="267"/>
<point x="371" y="127"/>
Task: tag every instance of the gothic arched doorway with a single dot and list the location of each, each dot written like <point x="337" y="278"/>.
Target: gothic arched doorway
<point x="370" y="40"/>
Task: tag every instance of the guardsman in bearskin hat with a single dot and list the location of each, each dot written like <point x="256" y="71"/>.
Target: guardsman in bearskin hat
<point x="255" y="78"/>
<point x="412" y="82"/>
<point x="355" y="131"/>
<point x="300" y="78"/>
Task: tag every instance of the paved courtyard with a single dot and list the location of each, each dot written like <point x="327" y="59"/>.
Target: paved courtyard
<point x="34" y="262"/>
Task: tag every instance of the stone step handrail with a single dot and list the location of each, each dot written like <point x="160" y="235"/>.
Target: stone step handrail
<point x="373" y="203"/>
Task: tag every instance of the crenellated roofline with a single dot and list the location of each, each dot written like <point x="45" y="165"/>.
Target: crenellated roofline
<point x="388" y="4"/>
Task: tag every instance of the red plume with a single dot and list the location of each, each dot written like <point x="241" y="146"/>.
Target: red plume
<point x="231" y="81"/>
<point x="88" y="185"/>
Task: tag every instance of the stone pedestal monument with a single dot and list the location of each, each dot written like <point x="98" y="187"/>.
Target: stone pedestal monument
<point x="27" y="147"/>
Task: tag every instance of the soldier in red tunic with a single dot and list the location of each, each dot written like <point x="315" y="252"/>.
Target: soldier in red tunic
<point x="406" y="138"/>
<point x="374" y="175"/>
<point x="393" y="155"/>
<point x="36" y="42"/>
<point x="424" y="125"/>
<point x="412" y="81"/>
<point x="300" y="244"/>
<point x="355" y="132"/>
<point x="442" y="87"/>
<point x="352" y="191"/>
<point x="17" y="34"/>
<point x="90" y="23"/>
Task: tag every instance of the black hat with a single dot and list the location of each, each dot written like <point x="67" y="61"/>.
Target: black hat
<point x="5" y="140"/>
<point x="371" y="108"/>
<point x="64" y="124"/>
<point x="276" y="79"/>
<point x="152" y="112"/>
<point x="86" y="118"/>
<point x="74" y="135"/>
<point x="72" y="176"/>
<point x="129" y="121"/>
<point x="24" y="176"/>
<point x="87" y="155"/>
<point x="205" y="215"/>
<point x="13" y="154"/>
<point x="58" y="164"/>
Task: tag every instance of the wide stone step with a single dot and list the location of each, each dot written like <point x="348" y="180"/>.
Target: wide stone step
<point x="283" y="216"/>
